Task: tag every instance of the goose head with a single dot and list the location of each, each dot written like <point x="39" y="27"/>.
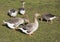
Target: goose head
<point x="26" y="20"/>
<point x="23" y="2"/>
<point x="36" y="14"/>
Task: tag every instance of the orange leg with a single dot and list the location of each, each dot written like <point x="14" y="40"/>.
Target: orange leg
<point x="41" y="19"/>
<point x="30" y="35"/>
<point x="47" y="21"/>
<point x="51" y="21"/>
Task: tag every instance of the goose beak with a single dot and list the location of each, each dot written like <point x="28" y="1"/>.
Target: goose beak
<point x="39" y="14"/>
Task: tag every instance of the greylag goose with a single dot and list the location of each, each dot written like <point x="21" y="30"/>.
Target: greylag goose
<point x="22" y="9"/>
<point x="48" y="17"/>
<point x="30" y="27"/>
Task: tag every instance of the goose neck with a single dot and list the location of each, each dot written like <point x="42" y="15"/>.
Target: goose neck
<point x="23" y="5"/>
<point x="35" y="20"/>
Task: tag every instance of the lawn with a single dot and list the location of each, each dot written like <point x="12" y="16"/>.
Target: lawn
<point x="46" y="32"/>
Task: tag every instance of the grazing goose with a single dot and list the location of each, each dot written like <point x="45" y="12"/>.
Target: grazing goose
<point x="22" y="9"/>
<point x="15" y="22"/>
<point x="30" y="27"/>
<point x="48" y="17"/>
<point x="12" y="12"/>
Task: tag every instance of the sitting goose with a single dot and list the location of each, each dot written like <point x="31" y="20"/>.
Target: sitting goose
<point x="48" y="17"/>
<point x="30" y="27"/>
<point x="15" y="22"/>
<point x="12" y="12"/>
<point x="22" y="9"/>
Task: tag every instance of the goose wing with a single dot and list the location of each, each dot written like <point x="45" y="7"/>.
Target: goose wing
<point x="14" y="20"/>
<point x="48" y="16"/>
<point x="29" y="27"/>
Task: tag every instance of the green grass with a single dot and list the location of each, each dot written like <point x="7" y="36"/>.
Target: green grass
<point x="46" y="32"/>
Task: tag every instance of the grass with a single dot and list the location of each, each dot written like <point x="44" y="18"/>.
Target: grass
<point x="46" y="32"/>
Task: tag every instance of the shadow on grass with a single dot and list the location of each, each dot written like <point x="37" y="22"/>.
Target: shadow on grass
<point x="10" y="28"/>
<point x="19" y="31"/>
<point x="5" y="26"/>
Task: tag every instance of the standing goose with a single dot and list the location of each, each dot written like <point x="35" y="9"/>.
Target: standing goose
<point x="15" y="22"/>
<point x="30" y="27"/>
<point x="22" y="9"/>
<point x="12" y="12"/>
<point x="48" y="17"/>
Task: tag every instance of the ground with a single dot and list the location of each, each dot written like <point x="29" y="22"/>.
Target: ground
<point x="46" y="32"/>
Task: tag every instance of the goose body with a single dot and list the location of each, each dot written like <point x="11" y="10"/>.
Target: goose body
<point x="22" y="11"/>
<point x="31" y="27"/>
<point x="15" y="22"/>
<point x="12" y="12"/>
<point x="48" y="17"/>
